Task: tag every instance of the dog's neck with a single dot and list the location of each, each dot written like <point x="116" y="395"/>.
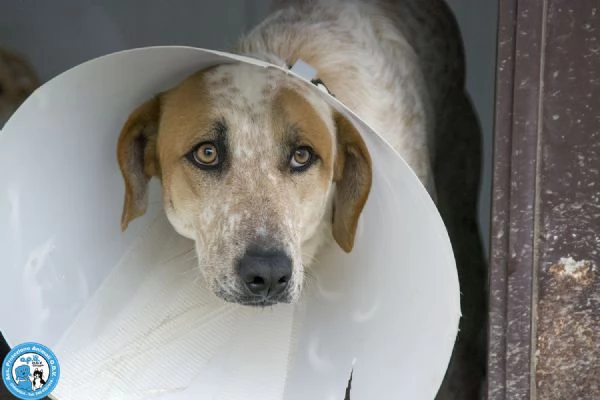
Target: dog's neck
<point x="289" y="64"/>
<point x="267" y="57"/>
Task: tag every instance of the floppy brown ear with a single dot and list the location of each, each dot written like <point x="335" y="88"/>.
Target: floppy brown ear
<point x="353" y="176"/>
<point x="136" y="153"/>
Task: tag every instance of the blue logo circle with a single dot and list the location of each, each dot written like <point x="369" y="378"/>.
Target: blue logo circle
<point x="30" y="371"/>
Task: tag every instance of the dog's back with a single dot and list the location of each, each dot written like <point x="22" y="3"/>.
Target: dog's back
<point x="428" y="26"/>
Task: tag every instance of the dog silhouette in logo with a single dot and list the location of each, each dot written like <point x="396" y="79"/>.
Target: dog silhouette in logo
<point x="38" y="379"/>
<point x="23" y="372"/>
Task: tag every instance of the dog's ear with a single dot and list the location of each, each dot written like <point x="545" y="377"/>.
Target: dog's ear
<point x="353" y="176"/>
<point x="136" y="152"/>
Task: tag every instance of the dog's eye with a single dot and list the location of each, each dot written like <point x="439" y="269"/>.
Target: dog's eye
<point x="205" y="155"/>
<point x="302" y="158"/>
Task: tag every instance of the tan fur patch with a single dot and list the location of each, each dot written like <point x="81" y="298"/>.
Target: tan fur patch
<point x="187" y="116"/>
<point x="136" y="154"/>
<point x="353" y="175"/>
<point x="310" y="128"/>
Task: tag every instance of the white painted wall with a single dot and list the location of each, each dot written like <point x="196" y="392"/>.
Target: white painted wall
<point x="59" y="34"/>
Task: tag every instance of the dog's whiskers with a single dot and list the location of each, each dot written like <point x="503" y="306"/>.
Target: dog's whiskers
<point x="312" y="261"/>
<point x="308" y="280"/>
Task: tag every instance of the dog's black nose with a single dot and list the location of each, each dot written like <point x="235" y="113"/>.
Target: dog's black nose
<point x="265" y="273"/>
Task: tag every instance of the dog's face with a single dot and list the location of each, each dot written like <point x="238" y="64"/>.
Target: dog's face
<point x="248" y="158"/>
<point x="23" y="371"/>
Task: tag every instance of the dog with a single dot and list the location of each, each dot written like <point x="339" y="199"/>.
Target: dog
<point x="261" y="173"/>
<point x="22" y="374"/>
<point x="257" y="168"/>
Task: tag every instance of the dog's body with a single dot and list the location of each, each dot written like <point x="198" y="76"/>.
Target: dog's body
<point x="236" y="138"/>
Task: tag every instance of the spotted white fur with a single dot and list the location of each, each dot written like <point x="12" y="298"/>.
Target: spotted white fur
<point x="254" y="201"/>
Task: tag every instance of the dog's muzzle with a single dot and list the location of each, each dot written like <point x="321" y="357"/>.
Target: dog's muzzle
<point x="265" y="275"/>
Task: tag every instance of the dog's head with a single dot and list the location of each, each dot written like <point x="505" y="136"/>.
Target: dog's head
<point x="23" y="371"/>
<point x="251" y="162"/>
